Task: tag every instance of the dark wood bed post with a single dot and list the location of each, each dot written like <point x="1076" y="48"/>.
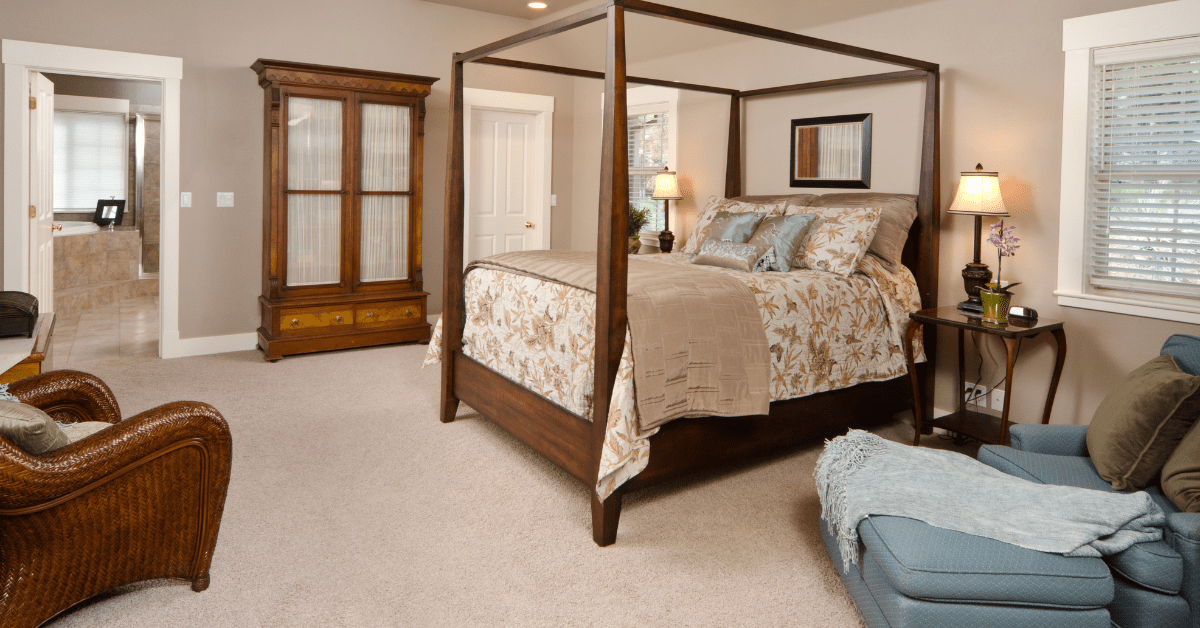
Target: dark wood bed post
<point x="612" y="263"/>
<point x="928" y="202"/>
<point x="733" y="159"/>
<point x="452" y="263"/>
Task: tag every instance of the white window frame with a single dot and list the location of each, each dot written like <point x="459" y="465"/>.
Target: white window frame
<point x="88" y="104"/>
<point x="650" y="99"/>
<point x="1081" y="37"/>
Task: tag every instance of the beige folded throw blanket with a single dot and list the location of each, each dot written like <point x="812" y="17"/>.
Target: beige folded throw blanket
<point x="699" y="347"/>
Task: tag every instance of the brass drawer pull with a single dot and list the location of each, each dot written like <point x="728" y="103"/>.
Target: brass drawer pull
<point x="295" y="322"/>
<point x="370" y="314"/>
<point x="337" y="319"/>
<point x="408" y="312"/>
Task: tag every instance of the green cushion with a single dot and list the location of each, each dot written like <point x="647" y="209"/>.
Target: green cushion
<point x="1140" y="422"/>
<point x="29" y="428"/>
<point x="1181" y="473"/>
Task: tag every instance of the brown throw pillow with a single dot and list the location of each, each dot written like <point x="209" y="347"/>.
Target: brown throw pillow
<point x="1181" y="473"/>
<point x="1140" y="422"/>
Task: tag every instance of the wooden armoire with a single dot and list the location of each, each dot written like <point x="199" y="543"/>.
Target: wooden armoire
<point x="341" y="208"/>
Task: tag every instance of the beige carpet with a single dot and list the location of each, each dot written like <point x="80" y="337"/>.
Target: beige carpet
<point x="351" y="505"/>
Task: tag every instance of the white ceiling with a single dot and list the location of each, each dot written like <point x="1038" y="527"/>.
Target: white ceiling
<point x="515" y="8"/>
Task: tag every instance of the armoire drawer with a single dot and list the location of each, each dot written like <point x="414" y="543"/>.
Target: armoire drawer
<point x="311" y="320"/>
<point x="388" y="314"/>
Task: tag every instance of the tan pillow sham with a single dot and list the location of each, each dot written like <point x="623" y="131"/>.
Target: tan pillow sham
<point x="896" y="218"/>
<point x="839" y="240"/>
<point x="1140" y="421"/>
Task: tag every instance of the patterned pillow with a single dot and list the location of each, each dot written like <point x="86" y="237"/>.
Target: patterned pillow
<point x="751" y="258"/>
<point x="717" y="204"/>
<point x="840" y="240"/>
<point x="785" y="234"/>
<point x="726" y="226"/>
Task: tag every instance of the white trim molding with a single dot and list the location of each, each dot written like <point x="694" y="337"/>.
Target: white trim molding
<point x="20" y="57"/>
<point x="1081" y="36"/>
<point x="543" y="109"/>
<point x="186" y="347"/>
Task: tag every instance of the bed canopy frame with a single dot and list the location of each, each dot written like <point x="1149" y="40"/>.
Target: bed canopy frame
<point x="686" y="445"/>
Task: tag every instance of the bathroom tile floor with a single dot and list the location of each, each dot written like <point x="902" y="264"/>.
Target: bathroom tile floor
<point x="124" y="329"/>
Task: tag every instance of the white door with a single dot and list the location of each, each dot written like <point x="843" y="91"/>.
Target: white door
<point x="41" y="191"/>
<point x="504" y="209"/>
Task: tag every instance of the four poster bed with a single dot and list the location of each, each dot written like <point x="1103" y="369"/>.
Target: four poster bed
<point x="685" y="445"/>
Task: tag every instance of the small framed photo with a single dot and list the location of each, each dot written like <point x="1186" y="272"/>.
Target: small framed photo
<point x="832" y="152"/>
<point x="109" y="212"/>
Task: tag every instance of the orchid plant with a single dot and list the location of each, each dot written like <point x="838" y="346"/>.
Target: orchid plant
<point x="1006" y="245"/>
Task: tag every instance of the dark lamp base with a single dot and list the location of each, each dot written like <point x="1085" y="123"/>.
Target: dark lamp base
<point x="666" y="241"/>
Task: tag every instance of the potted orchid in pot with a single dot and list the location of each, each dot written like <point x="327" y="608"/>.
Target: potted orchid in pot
<point x="996" y="296"/>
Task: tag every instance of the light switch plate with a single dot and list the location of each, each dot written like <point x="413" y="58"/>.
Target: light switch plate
<point x="185" y="199"/>
<point x="224" y="199"/>
<point x="553" y="200"/>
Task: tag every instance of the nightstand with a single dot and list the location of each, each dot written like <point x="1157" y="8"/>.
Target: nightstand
<point x="979" y="425"/>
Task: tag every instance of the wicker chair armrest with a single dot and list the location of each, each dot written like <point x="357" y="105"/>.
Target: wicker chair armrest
<point x="68" y="396"/>
<point x="31" y="483"/>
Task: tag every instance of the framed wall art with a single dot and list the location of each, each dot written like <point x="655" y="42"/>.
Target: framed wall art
<point x="832" y="152"/>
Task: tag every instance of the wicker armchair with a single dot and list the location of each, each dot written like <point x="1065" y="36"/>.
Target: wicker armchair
<point x="137" y="501"/>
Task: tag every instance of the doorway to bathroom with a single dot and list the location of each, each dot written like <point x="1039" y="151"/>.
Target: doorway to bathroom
<point x="23" y="60"/>
<point x="106" y="153"/>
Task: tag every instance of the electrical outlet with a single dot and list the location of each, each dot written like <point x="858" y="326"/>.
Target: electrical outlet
<point x="554" y="200"/>
<point x="973" y="392"/>
<point x="996" y="399"/>
<point x="185" y="199"/>
<point x="224" y="199"/>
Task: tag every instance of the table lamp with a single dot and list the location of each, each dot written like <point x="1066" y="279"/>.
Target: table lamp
<point x="666" y="189"/>
<point x="978" y="195"/>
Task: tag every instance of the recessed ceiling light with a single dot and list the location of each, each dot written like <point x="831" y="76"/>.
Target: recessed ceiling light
<point x="537" y="5"/>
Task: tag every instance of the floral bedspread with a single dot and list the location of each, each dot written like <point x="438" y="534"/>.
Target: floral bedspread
<point x="825" y="332"/>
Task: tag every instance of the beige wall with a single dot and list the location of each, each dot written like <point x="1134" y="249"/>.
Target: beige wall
<point x="1002" y="106"/>
<point x="221" y="131"/>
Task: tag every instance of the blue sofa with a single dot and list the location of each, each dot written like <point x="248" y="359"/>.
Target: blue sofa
<point x="912" y="574"/>
<point x="1156" y="584"/>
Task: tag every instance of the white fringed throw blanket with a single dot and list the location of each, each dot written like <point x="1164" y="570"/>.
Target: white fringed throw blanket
<point x="861" y="474"/>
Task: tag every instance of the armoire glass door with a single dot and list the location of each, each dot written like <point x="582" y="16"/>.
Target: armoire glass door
<point x="314" y="191"/>
<point x="386" y="192"/>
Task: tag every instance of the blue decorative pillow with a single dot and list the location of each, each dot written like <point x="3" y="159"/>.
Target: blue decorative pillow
<point x="1186" y="351"/>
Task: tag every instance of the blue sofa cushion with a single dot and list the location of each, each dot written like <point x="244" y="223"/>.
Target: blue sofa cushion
<point x="1044" y="468"/>
<point x="1186" y="351"/>
<point x="934" y="564"/>
<point x="1153" y="565"/>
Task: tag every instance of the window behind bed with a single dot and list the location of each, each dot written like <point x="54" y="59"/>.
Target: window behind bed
<point x="649" y="152"/>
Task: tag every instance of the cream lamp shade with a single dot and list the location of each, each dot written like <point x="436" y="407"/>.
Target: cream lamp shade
<point x="666" y="186"/>
<point x="979" y="194"/>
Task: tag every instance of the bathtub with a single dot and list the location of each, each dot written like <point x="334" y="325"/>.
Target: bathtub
<point x="75" y="227"/>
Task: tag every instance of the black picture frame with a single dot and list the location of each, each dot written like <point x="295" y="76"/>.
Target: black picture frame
<point x="805" y="147"/>
<point x="108" y="212"/>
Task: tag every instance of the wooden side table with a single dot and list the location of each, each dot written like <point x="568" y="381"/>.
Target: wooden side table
<point x="979" y="425"/>
<point x="40" y="358"/>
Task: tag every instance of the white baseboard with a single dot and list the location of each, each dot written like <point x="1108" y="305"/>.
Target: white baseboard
<point x="176" y="347"/>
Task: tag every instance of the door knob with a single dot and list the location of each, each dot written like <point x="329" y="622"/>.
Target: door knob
<point x="57" y="227"/>
<point x="529" y="225"/>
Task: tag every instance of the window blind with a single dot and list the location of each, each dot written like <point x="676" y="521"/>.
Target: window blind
<point x="89" y="158"/>
<point x="1145" y="169"/>
<point x="647" y="156"/>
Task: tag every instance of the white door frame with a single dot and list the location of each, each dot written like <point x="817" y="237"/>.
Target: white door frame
<point x="543" y="139"/>
<point x="18" y="58"/>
